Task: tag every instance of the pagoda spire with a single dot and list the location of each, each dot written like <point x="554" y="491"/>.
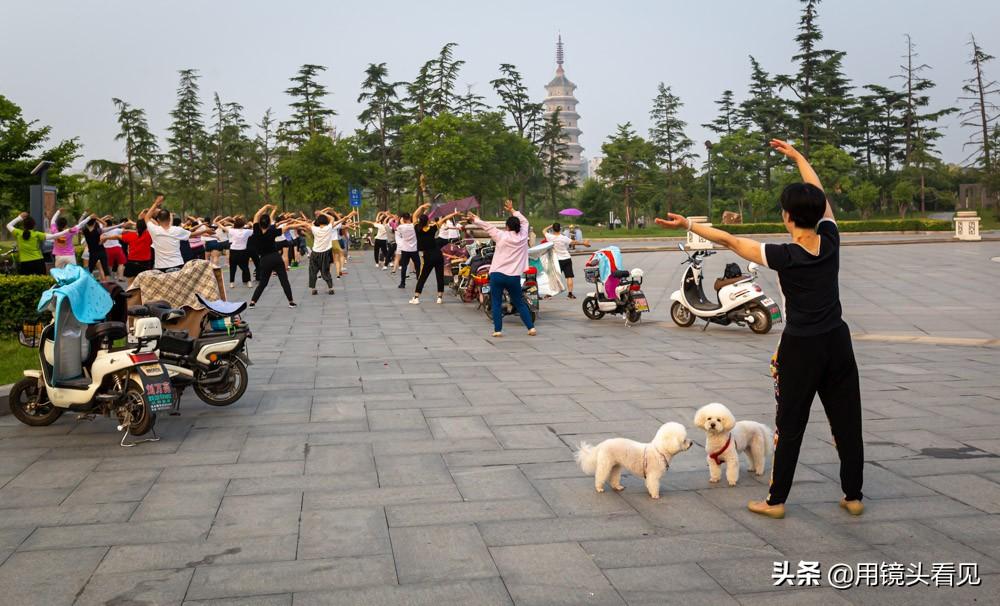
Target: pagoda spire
<point x="559" y="52"/>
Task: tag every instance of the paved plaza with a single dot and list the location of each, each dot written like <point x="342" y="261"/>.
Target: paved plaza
<point x="393" y="454"/>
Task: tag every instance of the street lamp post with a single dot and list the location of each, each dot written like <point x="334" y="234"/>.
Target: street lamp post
<point x="708" y="148"/>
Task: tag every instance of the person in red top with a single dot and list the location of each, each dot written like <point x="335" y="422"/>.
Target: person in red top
<point x="140" y="248"/>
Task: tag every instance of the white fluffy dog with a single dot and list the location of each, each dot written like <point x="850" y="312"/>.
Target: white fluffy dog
<point x="649" y="461"/>
<point x="725" y="439"/>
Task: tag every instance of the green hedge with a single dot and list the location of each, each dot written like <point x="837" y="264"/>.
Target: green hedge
<point x="19" y="297"/>
<point x="848" y="226"/>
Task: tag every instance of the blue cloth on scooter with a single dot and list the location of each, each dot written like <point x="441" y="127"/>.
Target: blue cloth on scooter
<point x="88" y="300"/>
<point x="605" y="265"/>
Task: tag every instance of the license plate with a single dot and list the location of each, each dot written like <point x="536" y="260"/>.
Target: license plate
<point x="160" y="396"/>
<point x="486" y="289"/>
<point x="151" y="370"/>
<point x="767" y="301"/>
<point x="640" y="304"/>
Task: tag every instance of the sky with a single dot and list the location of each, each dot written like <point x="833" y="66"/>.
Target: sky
<point x="68" y="58"/>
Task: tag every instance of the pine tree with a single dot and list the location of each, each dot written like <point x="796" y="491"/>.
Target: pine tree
<point x="916" y="98"/>
<point x="982" y="112"/>
<point x="187" y="141"/>
<point x="515" y="101"/>
<point x="670" y="143"/>
<point x="443" y="73"/>
<point x="265" y="155"/>
<point x="886" y="107"/>
<point x="728" y="119"/>
<point x="470" y="103"/>
<point x="379" y="137"/>
<point x="764" y="114"/>
<point x="629" y="165"/>
<point x="834" y="101"/>
<point x="309" y="115"/>
<point x="141" y="148"/>
<point x="553" y="153"/>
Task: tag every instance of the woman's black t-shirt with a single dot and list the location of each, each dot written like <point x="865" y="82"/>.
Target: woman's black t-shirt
<point x="263" y="240"/>
<point x="92" y="236"/>
<point x="427" y="238"/>
<point x="809" y="283"/>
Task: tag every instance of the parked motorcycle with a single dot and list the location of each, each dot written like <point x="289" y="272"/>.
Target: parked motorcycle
<point x="215" y="363"/>
<point x="740" y="299"/>
<point x="529" y="290"/>
<point x="628" y="298"/>
<point x="82" y="370"/>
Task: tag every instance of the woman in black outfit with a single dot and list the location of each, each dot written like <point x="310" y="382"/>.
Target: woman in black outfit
<point x="264" y="236"/>
<point x="815" y="355"/>
<point x="427" y="243"/>
<point x="95" y="249"/>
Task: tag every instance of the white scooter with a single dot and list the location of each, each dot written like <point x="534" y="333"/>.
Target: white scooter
<point x="741" y="300"/>
<point x="84" y="372"/>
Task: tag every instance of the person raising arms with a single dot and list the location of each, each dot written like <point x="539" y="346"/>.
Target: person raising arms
<point x="510" y="259"/>
<point x="31" y="261"/>
<point x="561" y="243"/>
<point x="427" y="243"/>
<point x="167" y="237"/>
<point x="815" y="354"/>
<point x="265" y="233"/>
<point x="62" y="248"/>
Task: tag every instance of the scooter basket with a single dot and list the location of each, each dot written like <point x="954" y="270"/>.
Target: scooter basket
<point x="591" y="274"/>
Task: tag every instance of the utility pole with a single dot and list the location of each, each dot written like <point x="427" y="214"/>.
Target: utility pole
<point x="708" y="147"/>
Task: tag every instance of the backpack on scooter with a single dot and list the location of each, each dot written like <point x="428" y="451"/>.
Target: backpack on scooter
<point x="733" y="270"/>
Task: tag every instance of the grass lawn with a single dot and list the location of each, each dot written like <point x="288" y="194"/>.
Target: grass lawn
<point x="14" y="359"/>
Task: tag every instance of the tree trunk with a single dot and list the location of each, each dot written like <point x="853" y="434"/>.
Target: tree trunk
<point x="982" y="114"/>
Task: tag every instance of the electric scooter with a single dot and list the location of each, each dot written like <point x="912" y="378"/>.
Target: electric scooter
<point x="740" y="299"/>
<point x="82" y="370"/>
<point x="628" y="299"/>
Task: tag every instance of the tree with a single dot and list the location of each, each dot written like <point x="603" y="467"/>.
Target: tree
<point x="470" y="103"/>
<point x="806" y="102"/>
<point x="728" y="119"/>
<point x="629" y="165"/>
<point x="141" y="149"/>
<point x="265" y="155"/>
<point x="379" y="139"/>
<point x="309" y="115"/>
<point x="594" y="199"/>
<point x="863" y="196"/>
<point x="187" y="141"/>
<point x="318" y="172"/>
<point x="763" y="112"/>
<point x="918" y="128"/>
<point x="902" y="194"/>
<point x="443" y="73"/>
<point x="982" y="112"/>
<point x="22" y="145"/>
<point x="672" y="145"/>
<point x="736" y="161"/>
<point x="554" y="153"/>
<point x="515" y="101"/>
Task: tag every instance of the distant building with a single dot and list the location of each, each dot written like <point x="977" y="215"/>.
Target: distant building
<point x="593" y="165"/>
<point x="559" y="96"/>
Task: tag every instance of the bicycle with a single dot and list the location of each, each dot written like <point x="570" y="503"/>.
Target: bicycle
<point x="8" y="262"/>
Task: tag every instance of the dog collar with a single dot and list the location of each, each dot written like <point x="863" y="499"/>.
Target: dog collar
<point x="718" y="453"/>
<point x="645" y="460"/>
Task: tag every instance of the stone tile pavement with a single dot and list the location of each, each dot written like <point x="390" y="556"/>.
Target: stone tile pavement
<point x="388" y="453"/>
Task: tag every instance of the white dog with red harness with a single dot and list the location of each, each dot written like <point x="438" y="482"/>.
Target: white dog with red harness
<point x="725" y="439"/>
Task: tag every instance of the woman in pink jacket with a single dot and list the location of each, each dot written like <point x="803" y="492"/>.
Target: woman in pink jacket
<point x="509" y="261"/>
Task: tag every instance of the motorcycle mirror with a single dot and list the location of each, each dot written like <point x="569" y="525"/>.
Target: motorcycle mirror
<point x="753" y="267"/>
<point x="680" y="247"/>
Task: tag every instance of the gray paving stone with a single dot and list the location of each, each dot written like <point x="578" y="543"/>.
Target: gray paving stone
<point x="577" y="497"/>
<point x="560" y="573"/>
<point x="92" y="535"/>
<point x="434" y="446"/>
<point x="508" y="457"/>
<point x="406" y="418"/>
<point x="459" y="428"/>
<point x="260" y="449"/>
<point x="702" y="547"/>
<point x="972" y="490"/>
<point x="285" y="577"/>
<point x="440" y="553"/>
<point x="481" y="592"/>
<point x="365" y="437"/>
<point x="314" y="482"/>
<point x="409" y="470"/>
<point x="526" y="532"/>
<point x="46" y="578"/>
<point x="260" y="600"/>
<point x="355" y="458"/>
<point x="487" y="483"/>
<point x="161" y="461"/>
<point x="365" y="497"/>
<point x="66" y="514"/>
<point x="237" y="470"/>
<point x="801" y="596"/>
<point x="753" y="575"/>
<point x="180" y="500"/>
<point x="681" y="512"/>
<point x="527" y="436"/>
<point x="54" y="474"/>
<point x="214" y="440"/>
<point x="114" y="486"/>
<point x="674" y="584"/>
<point x="138" y="587"/>
<point x="426" y="514"/>
<point x="191" y="554"/>
<point x="343" y="532"/>
<point x="257" y="516"/>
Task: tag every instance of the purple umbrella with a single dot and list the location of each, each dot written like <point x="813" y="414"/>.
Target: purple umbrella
<point x="571" y="212"/>
<point x="463" y="205"/>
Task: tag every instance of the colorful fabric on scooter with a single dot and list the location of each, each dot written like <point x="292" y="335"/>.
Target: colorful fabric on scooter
<point x="609" y="260"/>
<point x="88" y="300"/>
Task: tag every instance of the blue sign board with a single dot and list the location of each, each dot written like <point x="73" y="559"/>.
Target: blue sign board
<point x="355" y="195"/>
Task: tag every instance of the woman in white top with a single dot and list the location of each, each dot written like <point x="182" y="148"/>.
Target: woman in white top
<point x="239" y="255"/>
<point x="381" y="239"/>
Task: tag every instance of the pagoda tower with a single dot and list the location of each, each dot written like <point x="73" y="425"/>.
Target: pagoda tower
<point x="559" y="96"/>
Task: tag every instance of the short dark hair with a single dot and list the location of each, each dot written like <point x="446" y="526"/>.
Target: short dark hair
<point x="513" y="224"/>
<point x="805" y="204"/>
<point x="322" y="220"/>
<point x="163" y="215"/>
<point x="61" y="223"/>
<point x="403" y="216"/>
<point x="239" y="222"/>
<point x="556" y="227"/>
<point x="265" y="221"/>
<point x="29" y="224"/>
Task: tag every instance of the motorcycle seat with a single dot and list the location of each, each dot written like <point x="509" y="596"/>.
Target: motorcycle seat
<point x="164" y="311"/>
<point x="622" y="273"/>
<point x="721" y="283"/>
<point x="106" y="330"/>
<point x="220" y="308"/>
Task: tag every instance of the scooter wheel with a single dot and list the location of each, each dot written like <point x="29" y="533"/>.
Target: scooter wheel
<point x="761" y="320"/>
<point x="591" y="310"/>
<point x="143" y="418"/>
<point x="230" y="390"/>
<point x="633" y="315"/>
<point x="26" y="407"/>
<point x="681" y="315"/>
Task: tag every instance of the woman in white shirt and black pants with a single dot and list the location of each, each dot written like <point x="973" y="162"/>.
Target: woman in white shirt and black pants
<point x="815" y="354"/>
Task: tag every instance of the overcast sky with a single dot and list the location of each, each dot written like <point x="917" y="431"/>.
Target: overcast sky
<point x="63" y="60"/>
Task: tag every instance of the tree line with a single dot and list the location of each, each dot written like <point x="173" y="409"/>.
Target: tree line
<point x="425" y="138"/>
